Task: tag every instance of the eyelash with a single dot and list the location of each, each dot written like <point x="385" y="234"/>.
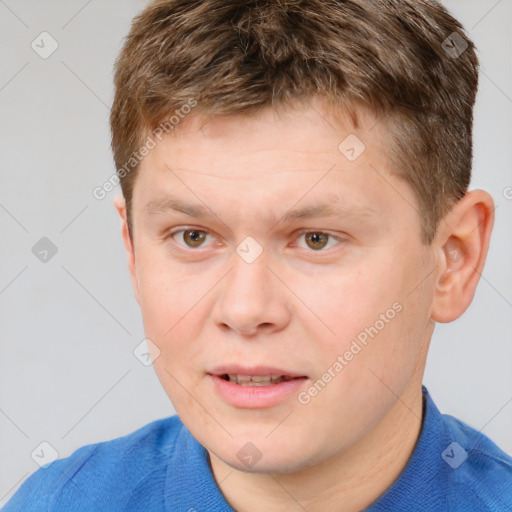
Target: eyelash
<point x="171" y="235"/>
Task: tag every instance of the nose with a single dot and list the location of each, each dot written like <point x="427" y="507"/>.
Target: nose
<point x="252" y="299"/>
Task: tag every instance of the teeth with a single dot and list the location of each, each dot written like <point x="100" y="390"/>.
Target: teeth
<point x="240" y="378"/>
<point x="257" y="380"/>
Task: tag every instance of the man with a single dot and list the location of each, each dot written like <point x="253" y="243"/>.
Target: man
<point x="297" y="218"/>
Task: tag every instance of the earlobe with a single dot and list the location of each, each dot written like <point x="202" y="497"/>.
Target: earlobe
<point x="120" y="206"/>
<point x="463" y="245"/>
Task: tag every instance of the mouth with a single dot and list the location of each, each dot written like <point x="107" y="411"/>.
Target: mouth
<point x="257" y="387"/>
<point x="256" y="380"/>
<point x="254" y="375"/>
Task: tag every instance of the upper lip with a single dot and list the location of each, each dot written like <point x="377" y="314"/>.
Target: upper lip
<point x="258" y="371"/>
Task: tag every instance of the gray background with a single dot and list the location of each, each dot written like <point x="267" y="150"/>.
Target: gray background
<point x="68" y="327"/>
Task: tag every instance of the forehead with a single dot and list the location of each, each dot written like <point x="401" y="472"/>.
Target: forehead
<point x="294" y="164"/>
<point x="311" y="129"/>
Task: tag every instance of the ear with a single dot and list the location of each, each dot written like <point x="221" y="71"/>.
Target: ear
<point x="463" y="241"/>
<point x="120" y="205"/>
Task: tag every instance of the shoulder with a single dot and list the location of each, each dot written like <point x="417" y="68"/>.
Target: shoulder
<point x="479" y="470"/>
<point x="453" y="467"/>
<point x="100" y="473"/>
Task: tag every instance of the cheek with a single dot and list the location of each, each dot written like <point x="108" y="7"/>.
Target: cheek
<point x="167" y="292"/>
<point x="167" y="305"/>
<point x="359" y="300"/>
<point x="378" y="324"/>
<point x="171" y="310"/>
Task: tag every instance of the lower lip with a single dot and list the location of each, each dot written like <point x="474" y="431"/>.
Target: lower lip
<point x="256" y="397"/>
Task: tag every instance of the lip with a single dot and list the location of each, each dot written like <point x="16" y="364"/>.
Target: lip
<point x="255" y="397"/>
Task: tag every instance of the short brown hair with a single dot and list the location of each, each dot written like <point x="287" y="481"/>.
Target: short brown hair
<point x="408" y="60"/>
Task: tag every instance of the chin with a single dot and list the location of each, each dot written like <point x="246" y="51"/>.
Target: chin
<point x="266" y="457"/>
<point x="273" y="465"/>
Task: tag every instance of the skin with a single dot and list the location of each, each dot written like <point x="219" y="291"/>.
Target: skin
<point x="299" y="305"/>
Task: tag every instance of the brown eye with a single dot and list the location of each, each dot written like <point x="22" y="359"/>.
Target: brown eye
<point x="193" y="237"/>
<point x="316" y="240"/>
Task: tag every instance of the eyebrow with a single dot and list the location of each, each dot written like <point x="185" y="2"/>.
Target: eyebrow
<point x="163" y="205"/>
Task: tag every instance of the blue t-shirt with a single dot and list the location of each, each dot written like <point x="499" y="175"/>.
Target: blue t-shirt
<point x="161" y="467"/>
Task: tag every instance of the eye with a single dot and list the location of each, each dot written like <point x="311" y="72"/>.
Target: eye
<point x="317" y="240"/>
<point x="192" y="237"/>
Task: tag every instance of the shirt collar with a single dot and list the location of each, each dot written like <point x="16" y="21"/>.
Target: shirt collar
<point x="190" y="485"/>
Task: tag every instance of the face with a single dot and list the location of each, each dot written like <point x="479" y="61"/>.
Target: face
<point x="272" y="245"/>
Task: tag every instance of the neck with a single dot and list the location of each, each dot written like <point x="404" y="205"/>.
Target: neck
<point x="347" y="482"/>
